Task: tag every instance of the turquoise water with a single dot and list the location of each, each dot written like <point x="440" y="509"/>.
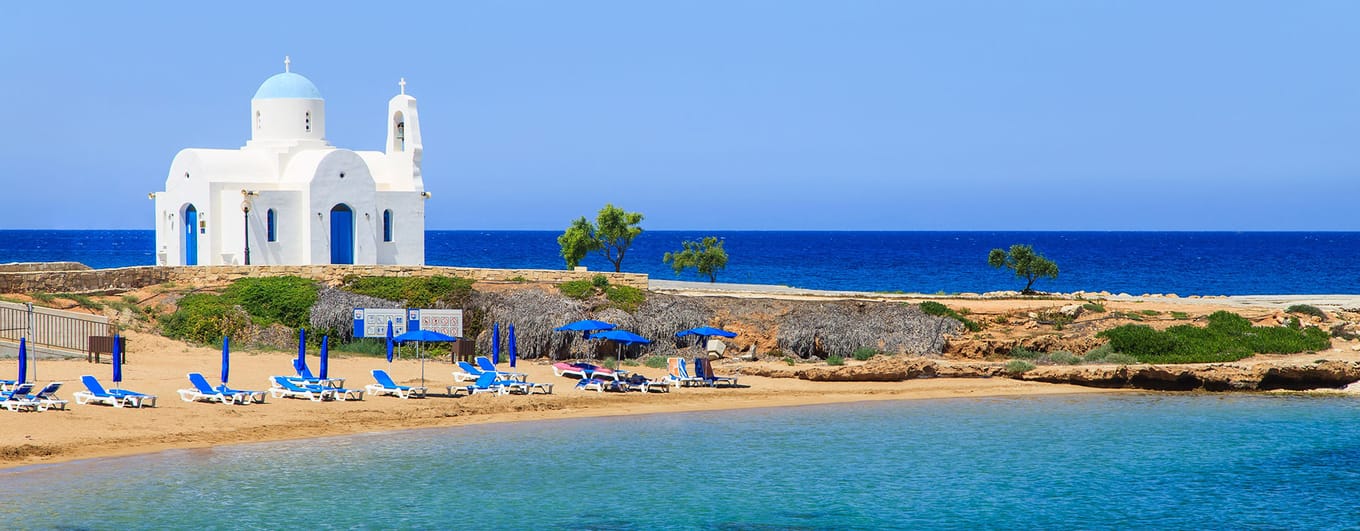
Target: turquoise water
<point x="1088" y="462"/>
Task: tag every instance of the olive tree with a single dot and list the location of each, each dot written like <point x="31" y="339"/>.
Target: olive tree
<point x="611" y="235"/>
<point x="707" y="257"/>
<point x="1026" y="264"/>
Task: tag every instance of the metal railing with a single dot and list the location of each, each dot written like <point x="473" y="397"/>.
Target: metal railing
<point x="50" y="328"/>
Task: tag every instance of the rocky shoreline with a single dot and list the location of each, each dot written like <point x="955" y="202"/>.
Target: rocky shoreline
<point x="1264" y="375"/>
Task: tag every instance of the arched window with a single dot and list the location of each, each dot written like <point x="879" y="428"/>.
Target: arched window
<point x="257" y="120"/>
<point x="270" y="229"/>
<point x="387" y="225"/>
<point x="309" y="121"/>
<point x="401" y="136"/>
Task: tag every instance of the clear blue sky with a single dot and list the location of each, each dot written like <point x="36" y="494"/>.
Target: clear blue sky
<point x="948" y="115"/>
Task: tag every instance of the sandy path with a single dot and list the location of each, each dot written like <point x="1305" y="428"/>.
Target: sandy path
<point x="158" y="366"/>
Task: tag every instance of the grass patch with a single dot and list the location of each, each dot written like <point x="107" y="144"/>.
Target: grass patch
<point x="1228" y="337"/>
<point x="1018" y="367"/>
<point x="205" y="318"/>
<point x="84" y="301"/>
<point x="364" y="346"/>
<point x="655" y="362"/>
<point x="1180" y="316"/>
<point x="1099" y="354"/>
<point x="835" y="360"/>
<point x="626" y="298"/>
<point x="414" y="292"/>
<point x="1150" y="313"/>
<point x="268" y="300"/>
<point x="1094" y="307"/>
<point x="1308" y="309"/>
<point x="1062" y="357"/>
<point x="864" y="353"/>
<point x="940" y="310"/>
<point x="576" y="289"/>
<point x="789" y="360"/>
<point x="1022" y="353"/>
<point x="44" y="297"/>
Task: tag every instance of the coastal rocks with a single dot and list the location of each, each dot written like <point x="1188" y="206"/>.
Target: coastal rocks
<point x="884" y="370"/>
<point x="1071" y="311"/>
<point x="1264" y="376"/>
<point x="981" y="349"/>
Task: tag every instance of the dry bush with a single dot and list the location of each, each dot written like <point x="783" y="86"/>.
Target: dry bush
<point x="838" y="328"/>
<point x="333" y="312"/>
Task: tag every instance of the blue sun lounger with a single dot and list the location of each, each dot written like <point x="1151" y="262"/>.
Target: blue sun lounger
<point x="204" y="392"/>
<point x="285" y="388"/>
<point x="46" y="398"/>
<point x="486" y="383"/>
<point x="386" y="386"/>
<point x="17" y="399"/>
<point x="95" y="393"/>
<point x="484" y="363"/>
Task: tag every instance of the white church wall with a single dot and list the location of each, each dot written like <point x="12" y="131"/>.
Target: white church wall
<point x="291" y="244"/>
<point x="408" y="228"/>
<point x="355" y="190"/>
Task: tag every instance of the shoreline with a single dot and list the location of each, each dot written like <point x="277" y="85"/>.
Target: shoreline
<point x="86" y="432"/>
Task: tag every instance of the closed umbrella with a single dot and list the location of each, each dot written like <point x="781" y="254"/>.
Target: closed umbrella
<point x="23" y="360"/>
<point x="495" y="343"/>
<point x="325" y="356"/>
<point x="302" y="350"/>
<point x="226" y="359"/>
<point x="423" y="336"/>
<point x="117" y="360"/>
<point x="389" y="344"/>
<point x="511" y="340"/>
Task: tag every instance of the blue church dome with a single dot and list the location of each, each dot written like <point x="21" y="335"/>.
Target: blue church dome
<point x="287" y="86"/>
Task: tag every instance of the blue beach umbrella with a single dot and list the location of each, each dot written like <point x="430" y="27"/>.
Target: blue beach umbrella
<point x="622" y="337"/>
<point x="704" y="332"/>
<point x="511" y="340"/>
<point x="389" y="342"/>
<point x="302" y="349"/>
<point x="226" y="359"/>
<point x="117" y="360"/>
<point x="420" y="337"/>
<point x="325" y="356"/>
<point x="585" y="327"/>
<point x="23" y="360"/>
<point x="495" y="343"/>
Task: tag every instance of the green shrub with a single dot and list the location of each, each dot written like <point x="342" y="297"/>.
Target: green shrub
<point x="599" y="281"/>
<point x="518" y="278"/>
<point x="655" y="362"/>
<point x="1094" y="307"/>
<point x="835" y="359"/>
<point x="362" y="346"/>
<point x="1120" y="359"/>
<point x="44" y="297"/>
<point x="789" y="360"/>
<point x="1018" y="367"/>
<point x="84" y="301"/>
<point x="864" y="353"/>
<point x="1180" y="316"/>
<point x="1022" y="353"/>
<point x="626" y="298"/>
<point x="1308" y="309"/>
<point x="1150" y="313"/>
<point x="1063" y="357"/>
<point x="1100" y="353"/>
<point x="940" y="310"/>
<point x="205" y="318"/>
<point x="576" y="289"/>
<point x="414" y="292"/>
<point x="1227" y="337"/>
<point x="285" y="300"/>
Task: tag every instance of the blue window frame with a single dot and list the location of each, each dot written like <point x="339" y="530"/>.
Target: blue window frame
<point x="387" y="225"/>
<point x="271" y="230"/>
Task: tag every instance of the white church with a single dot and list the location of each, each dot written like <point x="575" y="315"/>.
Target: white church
<point x="290" y="198"/>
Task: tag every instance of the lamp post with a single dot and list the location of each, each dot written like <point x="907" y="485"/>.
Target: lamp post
<point x="245" y="217"/>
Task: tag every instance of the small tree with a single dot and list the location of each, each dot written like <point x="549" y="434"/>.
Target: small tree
<point x="707" y="257"/>
<point x="610" y="235"/>
<point x="1026" y="263"/>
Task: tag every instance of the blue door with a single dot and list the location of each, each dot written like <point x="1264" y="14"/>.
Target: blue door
<point x="190" y="235"/>
<point x="342" y="235"/>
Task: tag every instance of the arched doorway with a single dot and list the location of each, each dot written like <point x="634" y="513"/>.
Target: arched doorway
<point x="190" y="235"/>
<point x="342" y="235"/>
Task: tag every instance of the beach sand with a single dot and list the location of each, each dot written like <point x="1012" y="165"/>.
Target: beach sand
<point x="157" y="365"/>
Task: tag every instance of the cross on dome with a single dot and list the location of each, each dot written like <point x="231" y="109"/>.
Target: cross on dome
<point x="287" y="63"/>
<point x="403" y="85"/>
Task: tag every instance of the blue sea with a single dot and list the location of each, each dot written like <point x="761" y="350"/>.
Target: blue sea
<point x="1185" y="263"/>
<point x="1127" y="461"/>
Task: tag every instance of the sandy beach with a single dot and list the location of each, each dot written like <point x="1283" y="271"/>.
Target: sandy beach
<point x="158" y="366"/>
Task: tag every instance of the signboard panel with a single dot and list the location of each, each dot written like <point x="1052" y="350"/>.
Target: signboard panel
<point x="372" y="322"/>
<point x="448" y="322"/>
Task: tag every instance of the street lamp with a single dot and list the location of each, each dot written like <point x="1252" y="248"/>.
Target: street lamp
<point x="245" y="217"/>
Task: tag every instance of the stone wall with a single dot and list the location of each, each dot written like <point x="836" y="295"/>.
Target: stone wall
<point x="126" y="278"/>
<point x="19" y="267"/>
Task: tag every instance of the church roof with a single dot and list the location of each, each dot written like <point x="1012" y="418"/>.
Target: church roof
<point x="287" y="85"/>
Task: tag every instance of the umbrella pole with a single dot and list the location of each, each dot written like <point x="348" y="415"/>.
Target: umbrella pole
<point x="421" y="355"/>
